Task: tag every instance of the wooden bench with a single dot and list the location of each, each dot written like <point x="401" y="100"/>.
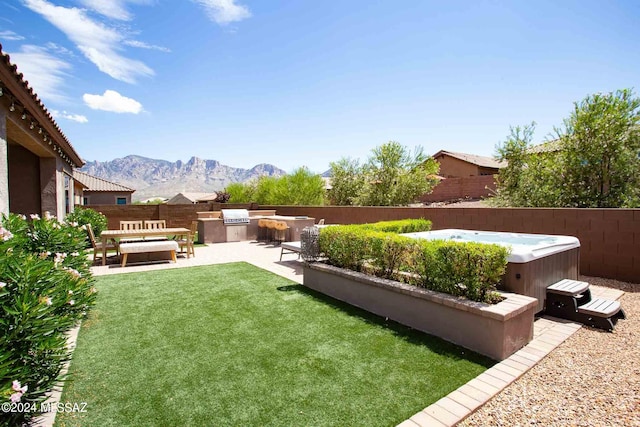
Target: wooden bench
<point x="148" y="246"/>
<point x="291" y="248"/>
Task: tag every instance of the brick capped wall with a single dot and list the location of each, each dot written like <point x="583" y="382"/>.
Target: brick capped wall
<point x="609" y="238"/>
<point x="474" y="187"/>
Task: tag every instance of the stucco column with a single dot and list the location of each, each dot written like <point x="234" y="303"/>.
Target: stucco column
<point x="4" y="165"/>
<point x="48" y="186"/>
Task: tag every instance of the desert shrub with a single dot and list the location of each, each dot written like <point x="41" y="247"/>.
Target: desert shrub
<point x="83" y="216"/>
<point x="45" y="288"/>
<point x="470" y="270"/>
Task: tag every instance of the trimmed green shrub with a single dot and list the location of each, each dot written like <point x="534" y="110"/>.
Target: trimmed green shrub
<point x="470" y="270"/>
<point x="83" y="216"/>
<point x="46" y="287"/>
<point x="467" y="269"/>
<point x="400" y="226"/>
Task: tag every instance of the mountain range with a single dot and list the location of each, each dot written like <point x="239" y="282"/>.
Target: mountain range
<point x="162" y="178"/>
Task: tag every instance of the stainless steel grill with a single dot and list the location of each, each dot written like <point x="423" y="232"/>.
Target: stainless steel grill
<point x="235" y="216"/>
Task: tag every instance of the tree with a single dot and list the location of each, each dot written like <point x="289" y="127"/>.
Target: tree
<point x="347" y="181"/>
<point x="301" y="187"/>
<point x="392" y="176"/>
<point x="593" y="162"/>
<point x="601" y="151"/>
<point x="240" y="192"/>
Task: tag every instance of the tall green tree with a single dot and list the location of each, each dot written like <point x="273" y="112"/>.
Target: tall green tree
<point x="301" y="187"/>
<point x="601" y="151"/>
<point x="593" y="162"/>
<point x="240" y="192"/>
<point x="347" y="180"/>
<point x="392" y="176"/>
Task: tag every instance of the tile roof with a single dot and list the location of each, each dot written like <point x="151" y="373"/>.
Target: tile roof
<point x="23" y="94"/>
<point x="93" y="183"/>
<point x="482" y="161"/>
<point x="192" y="198"/>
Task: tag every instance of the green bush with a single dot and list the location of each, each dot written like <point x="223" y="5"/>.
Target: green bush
<point x="83" y="216"/>
<point x="470" y="270"/>
<point x="400" y="226"/>
<point x="46" y="287"/>
<point x="467" y="269"/>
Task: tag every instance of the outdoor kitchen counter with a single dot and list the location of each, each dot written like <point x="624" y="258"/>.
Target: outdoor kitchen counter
<point x="213" y="230"/>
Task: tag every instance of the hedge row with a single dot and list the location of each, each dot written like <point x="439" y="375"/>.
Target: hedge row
<point x="46" y="287"/>
<point x="471" y="270"/>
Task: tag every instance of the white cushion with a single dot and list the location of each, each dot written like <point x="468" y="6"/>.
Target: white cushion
<point x="148" y="246"/>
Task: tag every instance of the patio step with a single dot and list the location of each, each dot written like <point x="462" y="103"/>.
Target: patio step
<point x="571" y="299"/>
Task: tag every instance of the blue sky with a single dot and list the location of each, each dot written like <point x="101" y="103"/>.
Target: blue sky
<point x="303" y="83"/>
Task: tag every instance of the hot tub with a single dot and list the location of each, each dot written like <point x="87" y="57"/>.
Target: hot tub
<point x="535" y="260"/>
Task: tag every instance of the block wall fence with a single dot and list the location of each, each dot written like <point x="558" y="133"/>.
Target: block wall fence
<point x="474" y="187"/>
<point x="609" y="238"/>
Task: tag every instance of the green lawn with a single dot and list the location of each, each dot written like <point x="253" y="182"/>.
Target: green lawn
<point x="236" y="345"/>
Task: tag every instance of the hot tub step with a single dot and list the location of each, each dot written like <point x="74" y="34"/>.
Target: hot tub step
<point x="601" y="313"/>
<point x="565" y="296"/>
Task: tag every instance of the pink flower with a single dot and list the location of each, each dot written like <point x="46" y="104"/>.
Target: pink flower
<point x="34" y="216"/>
<point x="2" y="285"/>
<point x="16" y="386"/>
<point x="48" y="301"/>
<point x="15" y="397"/>
<point x="72" y="302"/>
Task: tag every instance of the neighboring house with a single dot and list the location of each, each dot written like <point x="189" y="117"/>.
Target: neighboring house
<point x="458" y="165"/>
<point x="98" y="191"/>
<point x="190" y="198"/>
<point x="36" y="158"/>
<point x="463" y="176"/>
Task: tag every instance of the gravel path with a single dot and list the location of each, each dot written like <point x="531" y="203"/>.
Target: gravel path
<point x="592" y="379"/>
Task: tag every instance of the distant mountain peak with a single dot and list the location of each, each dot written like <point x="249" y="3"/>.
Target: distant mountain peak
<point x="155" y="177"/>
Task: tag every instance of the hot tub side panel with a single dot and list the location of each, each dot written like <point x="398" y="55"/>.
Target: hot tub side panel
<point x="532" y="278"/>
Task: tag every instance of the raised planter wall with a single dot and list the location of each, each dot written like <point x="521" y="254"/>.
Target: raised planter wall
<point x="497" y="330"/>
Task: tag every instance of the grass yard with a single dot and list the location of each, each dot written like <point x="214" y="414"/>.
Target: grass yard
<point x="229" y="345"/>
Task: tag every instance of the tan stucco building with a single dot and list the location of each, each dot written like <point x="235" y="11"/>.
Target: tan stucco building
<point x="36" y="158"/>
<point x="98" y="191"/>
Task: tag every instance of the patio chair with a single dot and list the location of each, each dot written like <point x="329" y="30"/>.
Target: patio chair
<point x="97" y="246"/>
<point x="154" y="224"/>
<point x="130" y="225"/>
<point x="188" y="243"/>
<point x="321" y="222"/>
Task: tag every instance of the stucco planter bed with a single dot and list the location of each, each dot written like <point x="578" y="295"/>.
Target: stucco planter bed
<point x="495" y="330"/>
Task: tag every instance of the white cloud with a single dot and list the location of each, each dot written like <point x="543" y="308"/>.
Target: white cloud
<point x="61" y="50"/>
<point x="46" y="74"/>
<point x="10" y="35"/>
<point x="99" y="43"/>
<point x="114" y="9"/>
<point x="73" y="117"/>
<point x="224" y="11"/>
<point x="112" y="101"/>
<point x="143" y="45"/>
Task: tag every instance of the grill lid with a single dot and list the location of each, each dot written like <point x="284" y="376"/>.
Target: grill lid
<point x="235" y="216"/>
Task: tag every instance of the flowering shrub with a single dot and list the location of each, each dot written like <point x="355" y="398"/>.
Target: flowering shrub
<point x="46" y="287"/>
<point x="83" y="216"/>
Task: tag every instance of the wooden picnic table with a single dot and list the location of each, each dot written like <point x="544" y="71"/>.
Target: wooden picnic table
<point x="141" y="233"/>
